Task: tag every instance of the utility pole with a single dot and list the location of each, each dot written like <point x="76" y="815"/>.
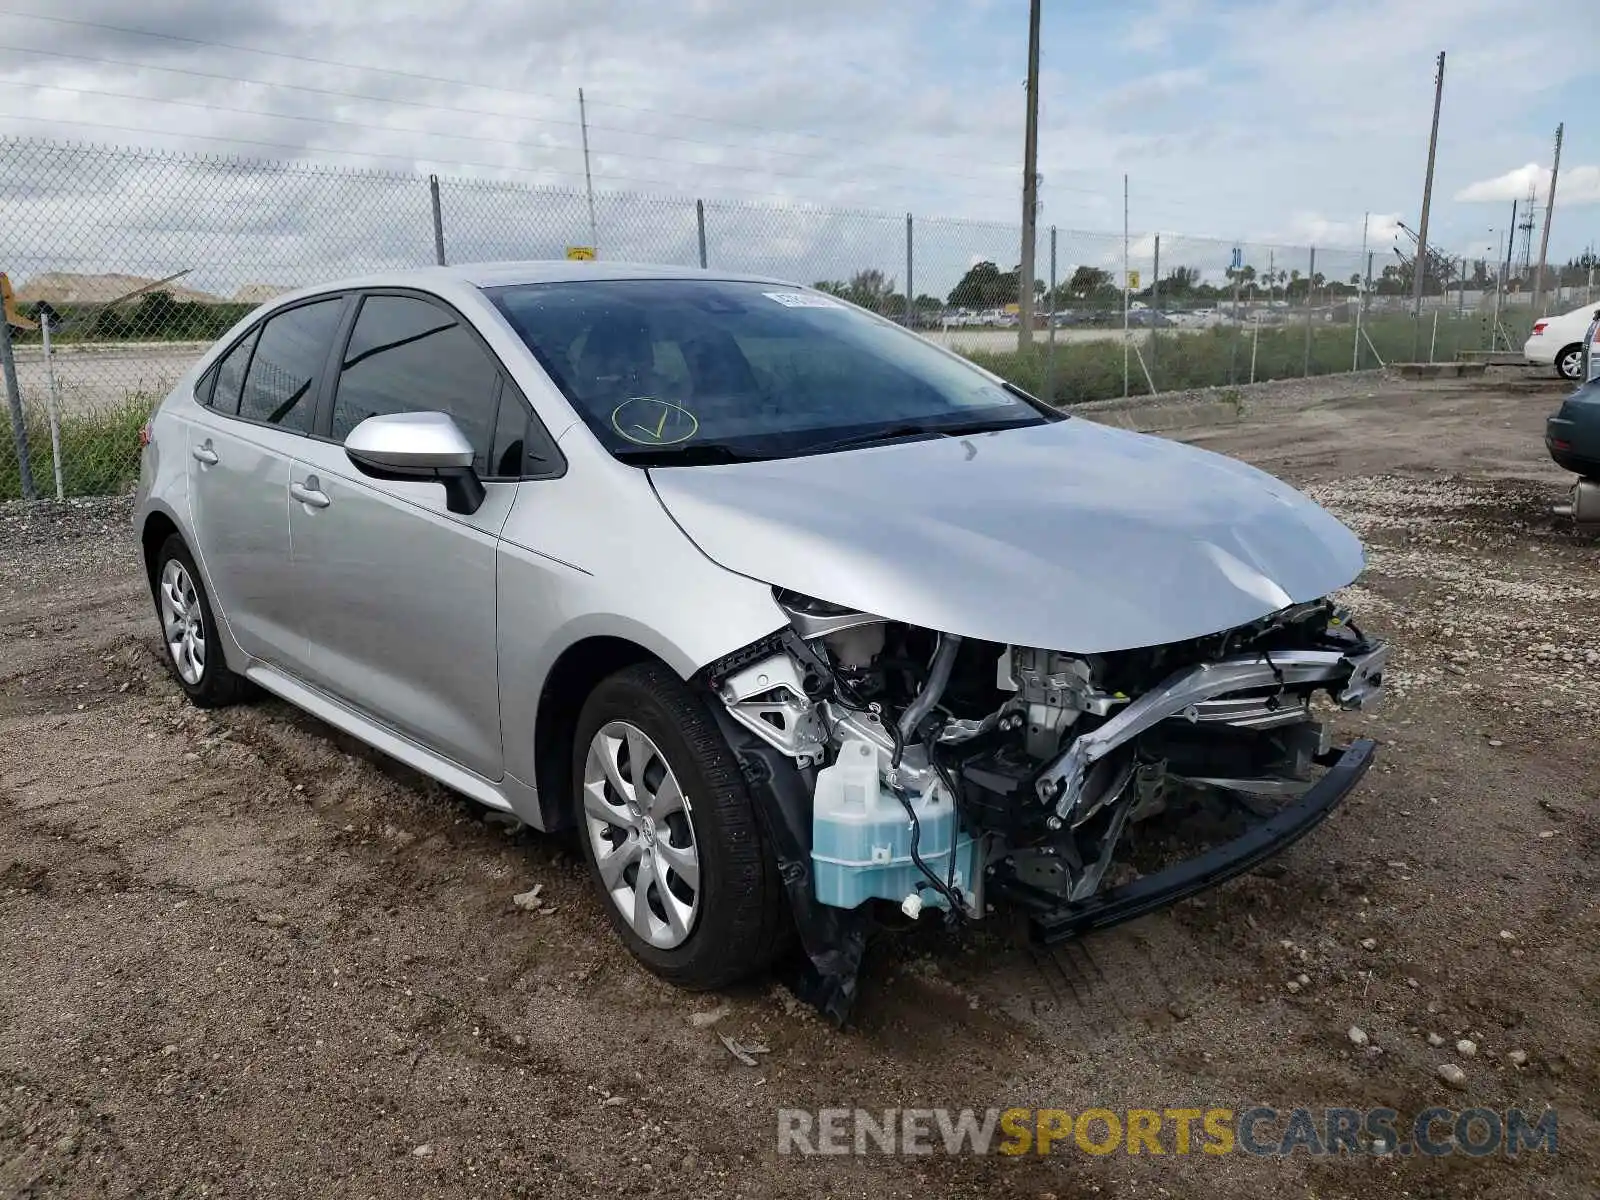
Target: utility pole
<point x="1420" y="269"/>
<point x="1030" y="185"/>
<point x="1511" y="244"/>
<point x="588" y="180"/>
<point x="1549" y="212"/>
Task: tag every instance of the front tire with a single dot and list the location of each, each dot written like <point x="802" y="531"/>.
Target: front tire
<point x="1569" y="363"/>
<point x="671" y="834"/>
<point x="189" y="629"/>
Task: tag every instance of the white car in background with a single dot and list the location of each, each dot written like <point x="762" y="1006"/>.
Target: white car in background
<point x="1558" y="341"/>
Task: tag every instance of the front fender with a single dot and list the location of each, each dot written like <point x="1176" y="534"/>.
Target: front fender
<point x="578" y="562"/>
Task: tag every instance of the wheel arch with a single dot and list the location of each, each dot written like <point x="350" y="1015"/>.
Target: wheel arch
<point x="155" y="525"/>
<point x="157" y="528"/>
<point x="573" y="676"/>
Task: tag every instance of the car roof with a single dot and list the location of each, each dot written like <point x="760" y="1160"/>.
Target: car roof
<point x="500" y="274"/>
<point x="496" y="274"/>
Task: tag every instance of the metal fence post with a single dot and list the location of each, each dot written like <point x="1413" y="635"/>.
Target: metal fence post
<point x="1311" y="277"/>
<point x="700" y="227"/>
<point x="19" y="428"/>
<point x="1361" y="307"/>
<point x="911" y="290"/>
<point x="1155" y="304"/>
<point x="438" y="220"/>
<point x="1049" y="396"/>
<point x="52" y="401"/>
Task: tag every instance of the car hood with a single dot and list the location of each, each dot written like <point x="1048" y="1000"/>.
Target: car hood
<point x="1070" y="536"/>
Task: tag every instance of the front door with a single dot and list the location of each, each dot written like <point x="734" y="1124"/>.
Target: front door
<point x="400" y="592"/>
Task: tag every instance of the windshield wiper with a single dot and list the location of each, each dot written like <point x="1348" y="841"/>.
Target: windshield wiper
<point x="908" y="430"/>
<point x="877" y="435"/>
<point x="699" y="454"/>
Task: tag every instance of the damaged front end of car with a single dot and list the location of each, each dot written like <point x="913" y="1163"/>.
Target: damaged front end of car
<point x="898" y="769"/>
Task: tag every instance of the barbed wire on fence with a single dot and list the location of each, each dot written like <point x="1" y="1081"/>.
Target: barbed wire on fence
<point x="134" y="260"/>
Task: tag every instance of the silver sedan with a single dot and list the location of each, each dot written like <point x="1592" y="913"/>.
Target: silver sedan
<point x="802" y="621"/>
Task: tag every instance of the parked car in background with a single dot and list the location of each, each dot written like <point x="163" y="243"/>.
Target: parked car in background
<point x="798" y="619"/>
<point x="1572" y="435"/>
<point x="1558" y="341"/>
<point x="1149" y="318"/>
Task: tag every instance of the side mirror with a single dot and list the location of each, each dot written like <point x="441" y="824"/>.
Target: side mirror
<point x="418" y="446"/>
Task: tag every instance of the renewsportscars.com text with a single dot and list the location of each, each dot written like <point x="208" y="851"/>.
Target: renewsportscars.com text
<point x="1260" y="1131"/>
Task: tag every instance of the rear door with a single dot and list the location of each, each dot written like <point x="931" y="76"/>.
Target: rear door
<point x="240" y="446"/>
<point x="400" y="592"/>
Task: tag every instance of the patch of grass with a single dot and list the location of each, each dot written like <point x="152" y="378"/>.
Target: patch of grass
<point x="1225" y="356"/>
<point x="99" y="449"/>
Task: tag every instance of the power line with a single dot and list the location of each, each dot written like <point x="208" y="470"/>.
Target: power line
<point x="326" y="62"/>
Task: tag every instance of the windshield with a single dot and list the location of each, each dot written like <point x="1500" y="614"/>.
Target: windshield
<point x="679" y="371"/>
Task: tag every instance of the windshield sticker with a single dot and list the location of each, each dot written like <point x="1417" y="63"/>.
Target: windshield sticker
<point x="646" y="421"/>
<point x="802" y="300"/>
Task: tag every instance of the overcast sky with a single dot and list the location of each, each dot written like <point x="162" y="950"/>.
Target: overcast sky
<point x="1265" y="120"/>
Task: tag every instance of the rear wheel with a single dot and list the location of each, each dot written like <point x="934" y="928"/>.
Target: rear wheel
<point x="1570" y="363"/>
<point x="188" y="629"/>
<point x="671" y="834"/>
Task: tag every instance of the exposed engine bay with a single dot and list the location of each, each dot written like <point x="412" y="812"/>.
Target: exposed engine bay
<point x="963" y="775"/>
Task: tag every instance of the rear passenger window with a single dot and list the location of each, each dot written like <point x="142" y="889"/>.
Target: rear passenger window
<point x="230" y="376"/>
<point x="406" y="355"/>
<point x="281" y="387"/>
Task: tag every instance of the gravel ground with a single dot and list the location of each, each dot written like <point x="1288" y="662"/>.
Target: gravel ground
<point x="241" y="955"/>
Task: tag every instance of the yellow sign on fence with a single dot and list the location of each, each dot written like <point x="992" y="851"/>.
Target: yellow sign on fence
<point x="1133" y="281"/>
<point x="580" y="253"/>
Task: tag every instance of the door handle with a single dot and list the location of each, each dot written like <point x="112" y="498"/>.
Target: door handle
<point x="309" y="493"/>
<point x="205" y="454"/>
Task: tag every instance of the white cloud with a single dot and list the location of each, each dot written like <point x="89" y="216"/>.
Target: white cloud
<point x="1155" y="30"/>
<point x="1575" y="185"/>
<point x="1314" y="229"/>
<point x="1512" y="185"/>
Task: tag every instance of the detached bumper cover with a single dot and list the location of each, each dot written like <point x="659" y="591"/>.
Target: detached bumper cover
<point x="1054" y="921"/>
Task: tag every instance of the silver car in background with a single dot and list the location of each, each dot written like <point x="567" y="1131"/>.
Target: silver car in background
<point x="800" y="620"/>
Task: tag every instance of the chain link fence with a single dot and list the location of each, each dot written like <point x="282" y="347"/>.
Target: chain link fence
<point x="127" y="263"/>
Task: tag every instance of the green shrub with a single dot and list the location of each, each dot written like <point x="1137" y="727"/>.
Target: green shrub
<point x="99" y="449"/>
<point x="155" y="317"/>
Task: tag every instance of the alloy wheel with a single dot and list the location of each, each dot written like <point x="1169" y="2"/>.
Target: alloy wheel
<point x="182" y="622"/>
<point x="1571" y="364"/>
<point x="640" y="827"/>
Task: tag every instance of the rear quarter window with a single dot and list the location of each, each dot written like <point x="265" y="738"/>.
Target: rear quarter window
<point x="226" y="379"/>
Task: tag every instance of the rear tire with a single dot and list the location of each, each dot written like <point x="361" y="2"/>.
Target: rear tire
<point x="662" y="808"/>
<point x="1569" y="363"/>
<point x="189" y="629"/>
